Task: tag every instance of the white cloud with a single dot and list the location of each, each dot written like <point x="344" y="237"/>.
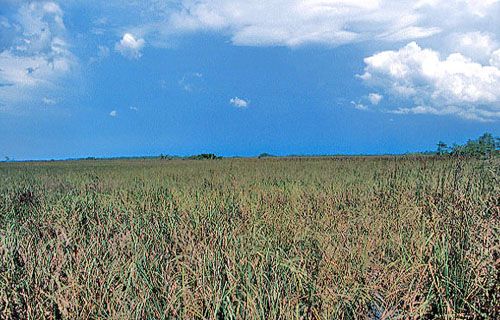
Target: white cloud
<point x="359" y="106"/>
<point x="240" y="103"/>
<point x="134" y="108"/>
<point x="475" y="45"/>
<point x="480" y="8"/>
<point x="479" y="115"/>
<point x="375" y="98"/>
<point x="31" y="71"/>
<point x="130" y="47"/>
<point x="113" y="113"/>
<point x="455" y="85"/>
<point x="297" y="22"/>
<point x="49" y="101"/>
<point x="334" y="22"/>
<point x="34" y="57"/>
<point x="411" y="32"/>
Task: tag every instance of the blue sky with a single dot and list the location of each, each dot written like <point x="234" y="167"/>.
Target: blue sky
<point x="243" y="77"/>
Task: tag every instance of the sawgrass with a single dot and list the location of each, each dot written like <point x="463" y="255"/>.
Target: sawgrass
<point x="352" y="238"/>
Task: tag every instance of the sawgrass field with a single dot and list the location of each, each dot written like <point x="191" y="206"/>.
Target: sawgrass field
<point x="393" y="237"/>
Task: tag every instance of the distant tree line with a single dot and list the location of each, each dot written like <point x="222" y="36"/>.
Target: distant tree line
<point x="203" y="156"/>
<point x="166" y="157"/>
<point x="484" y="146"/>
<point x="266" y="155"/>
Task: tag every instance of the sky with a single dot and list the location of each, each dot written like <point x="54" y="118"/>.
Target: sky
<point x="243" y="77"/>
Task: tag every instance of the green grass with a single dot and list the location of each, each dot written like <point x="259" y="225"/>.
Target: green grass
<point x="326" y="238"/>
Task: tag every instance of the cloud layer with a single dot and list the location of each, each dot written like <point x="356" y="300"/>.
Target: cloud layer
<point x="334" y="22"/>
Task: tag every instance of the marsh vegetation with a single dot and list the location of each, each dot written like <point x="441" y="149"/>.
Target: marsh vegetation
<point x="312" y="238"/>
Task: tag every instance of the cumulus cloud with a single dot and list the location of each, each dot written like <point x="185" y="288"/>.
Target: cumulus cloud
<point x="239" y="103"/>
<point x="452" y="85"/>
<point x="33" y="55"/>
<point x="113" y="113"/>
<point x="134" y="108"/>
<point x="130" y="47"/>
<point x="375" y="98"/>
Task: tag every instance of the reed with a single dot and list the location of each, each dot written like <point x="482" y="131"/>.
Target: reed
<point x="326" y="238"/>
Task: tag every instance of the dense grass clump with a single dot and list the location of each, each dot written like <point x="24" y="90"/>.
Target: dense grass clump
<point x="352" y="238"/>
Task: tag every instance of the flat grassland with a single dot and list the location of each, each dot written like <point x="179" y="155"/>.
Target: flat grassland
<point x="317" y="238"/>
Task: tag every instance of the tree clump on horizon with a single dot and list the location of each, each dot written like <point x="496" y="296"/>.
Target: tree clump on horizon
<point x="204" y="156"/>
<point x="484" y="146"/>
